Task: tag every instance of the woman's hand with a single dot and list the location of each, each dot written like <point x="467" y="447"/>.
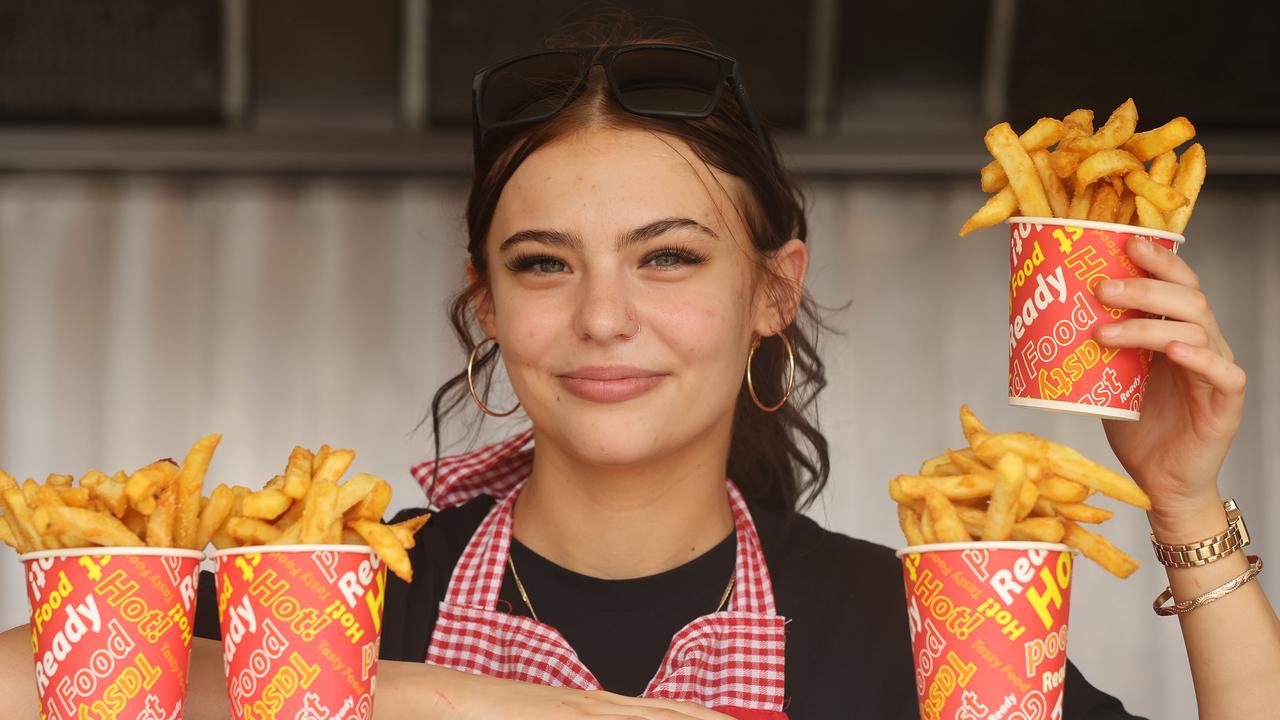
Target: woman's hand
<point x="1195" y="397"/>
<point x="18" y="677"/>
<point x="416" y="690"/>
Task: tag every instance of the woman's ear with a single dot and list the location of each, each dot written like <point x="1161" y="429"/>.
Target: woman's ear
<point x="779" y="295"/>
<point x="482" y="302"/>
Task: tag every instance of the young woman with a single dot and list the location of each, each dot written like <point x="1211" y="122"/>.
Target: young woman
<point x="636" y="260"/>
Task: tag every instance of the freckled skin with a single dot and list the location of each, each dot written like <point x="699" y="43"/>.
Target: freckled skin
<point x="696" y="320"/>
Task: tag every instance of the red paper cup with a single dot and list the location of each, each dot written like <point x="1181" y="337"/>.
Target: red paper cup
<point x="988" y="624"/>
<point x="1054" y="362"/>
<point x="111" y="629"/>
<point x="301" y="625"/>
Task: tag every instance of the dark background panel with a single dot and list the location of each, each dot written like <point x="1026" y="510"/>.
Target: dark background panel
<point x="1217" y="63"/>
<point x="769" y="39"/>
<point x="115" y="61"/>
<point x="911" y="63"/>
<point x="325" y="63"/>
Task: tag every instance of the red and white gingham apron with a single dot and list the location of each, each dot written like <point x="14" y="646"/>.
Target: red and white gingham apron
<point x="731" y="661"/>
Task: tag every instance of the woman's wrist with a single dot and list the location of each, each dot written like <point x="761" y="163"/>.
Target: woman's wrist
<point x="1195" y="522"/>
<point x="1190" y="520"/>
<point x="412" y="689"/>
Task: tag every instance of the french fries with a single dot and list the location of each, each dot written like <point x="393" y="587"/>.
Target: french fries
<point x="1105" y="163"/>
<point x="1044" y="133"/>
<point x="1055" y="190"/>
<point x="1188" y="180"/>
<point x="94" y="527"/>
<point x="309" y="504"/>
<point x="1031" y="176"/>
<point x="266" y="504"/>
<point x="1011" y="473"/>
<point x="1066" y="463"/>
<point x="142" y="508"/>
<point x="214" y="514"/>
<point x="1005" y="147"/>
<point x="1013" y="486"/>
<point x="161" y="505"/>
<point x="1099" y="549"/>
<point x="1147" y="145"/>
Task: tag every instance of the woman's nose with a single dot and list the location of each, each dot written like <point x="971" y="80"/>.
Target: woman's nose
<point x="605" y="311"/>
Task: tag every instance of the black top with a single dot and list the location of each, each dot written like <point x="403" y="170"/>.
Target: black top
<point x="846" y="631"/>
<point x="620" y="629"/>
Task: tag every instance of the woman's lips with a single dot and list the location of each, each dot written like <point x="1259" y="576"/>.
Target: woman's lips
<point x="610" y="384"/>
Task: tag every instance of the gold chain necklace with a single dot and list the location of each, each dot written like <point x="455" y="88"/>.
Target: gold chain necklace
<point x="724" y="598"/>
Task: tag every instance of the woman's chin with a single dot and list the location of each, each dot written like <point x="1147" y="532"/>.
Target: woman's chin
<point x="613" y="440"/>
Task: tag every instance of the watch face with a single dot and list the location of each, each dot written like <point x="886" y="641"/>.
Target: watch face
<point x="1237" y="520"/>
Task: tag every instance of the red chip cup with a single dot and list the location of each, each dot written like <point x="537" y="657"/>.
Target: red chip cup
<point x="111" y="629"/>
<point x="301" y="625"/>
<point x="988" y="624"/>
<point x="1054" y="362"/>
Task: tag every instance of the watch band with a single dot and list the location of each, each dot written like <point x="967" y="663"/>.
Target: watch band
<point x="1212" y="549"/>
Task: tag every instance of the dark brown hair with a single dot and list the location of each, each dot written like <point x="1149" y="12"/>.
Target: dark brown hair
<point x="780" y="460"/>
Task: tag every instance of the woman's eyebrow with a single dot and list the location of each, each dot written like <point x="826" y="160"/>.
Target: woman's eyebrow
<point x="557" y="238"/>
<point x="659" y="227"/>
<point x="554" y="238"/>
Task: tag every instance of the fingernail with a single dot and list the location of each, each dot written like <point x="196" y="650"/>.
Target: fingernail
<point x="1139" y="246"/>
<point x="1111" y="287"/>
<point x="1108" y="332"/>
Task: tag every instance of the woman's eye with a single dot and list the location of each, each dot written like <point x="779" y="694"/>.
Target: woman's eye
<point x="667" y="260"/>
<point x="673" y="258"/>
<point x="548" y="265"/>
<point x="539" y="264"/>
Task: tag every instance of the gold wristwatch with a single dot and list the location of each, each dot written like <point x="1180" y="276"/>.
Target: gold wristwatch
<point x="1204" y="552"/>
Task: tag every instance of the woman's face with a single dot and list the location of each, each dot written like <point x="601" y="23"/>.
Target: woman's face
<point x="622" y="294"/>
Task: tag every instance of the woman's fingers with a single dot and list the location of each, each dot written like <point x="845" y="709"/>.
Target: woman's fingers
<point x="1162" y="298"/>
<point x="1162" y="264"/>
<point x="1173" y="292"/>
<point x="1151" y="334"/>
<point x="1157" y="297"/>
<point x="1225" y="376"/>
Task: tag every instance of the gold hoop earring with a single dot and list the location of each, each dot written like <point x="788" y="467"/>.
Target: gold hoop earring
<point x="791" y="374"/>
<point x="471" y="383"/>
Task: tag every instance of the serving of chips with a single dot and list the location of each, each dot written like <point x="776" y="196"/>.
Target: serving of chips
<point x="1065" y="169"/>
<point x="1013" y="486"/>
<point x="307" y="505"/>
<point x="160" y="505"/>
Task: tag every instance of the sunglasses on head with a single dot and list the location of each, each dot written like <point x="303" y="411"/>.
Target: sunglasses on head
<point x="652" y="80"/>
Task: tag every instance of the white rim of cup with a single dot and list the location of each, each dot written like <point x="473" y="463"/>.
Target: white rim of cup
<point x="112" y="550"/>
<point x="985" y="545"/>
<point x="319" y="547"/>
<point x="1075" y="408"/>
<point x="1094" y="224"/>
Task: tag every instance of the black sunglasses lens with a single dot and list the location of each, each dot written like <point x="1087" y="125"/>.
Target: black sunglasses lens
<point x="529" y="89"/>
<point x="666" y="80"/>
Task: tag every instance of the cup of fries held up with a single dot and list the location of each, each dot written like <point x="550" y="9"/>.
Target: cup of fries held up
<point x="301" y="570"/>
<point x="112" y="564"/>
<point x="990" y="531"/>
<point x="1074" y="198"/>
